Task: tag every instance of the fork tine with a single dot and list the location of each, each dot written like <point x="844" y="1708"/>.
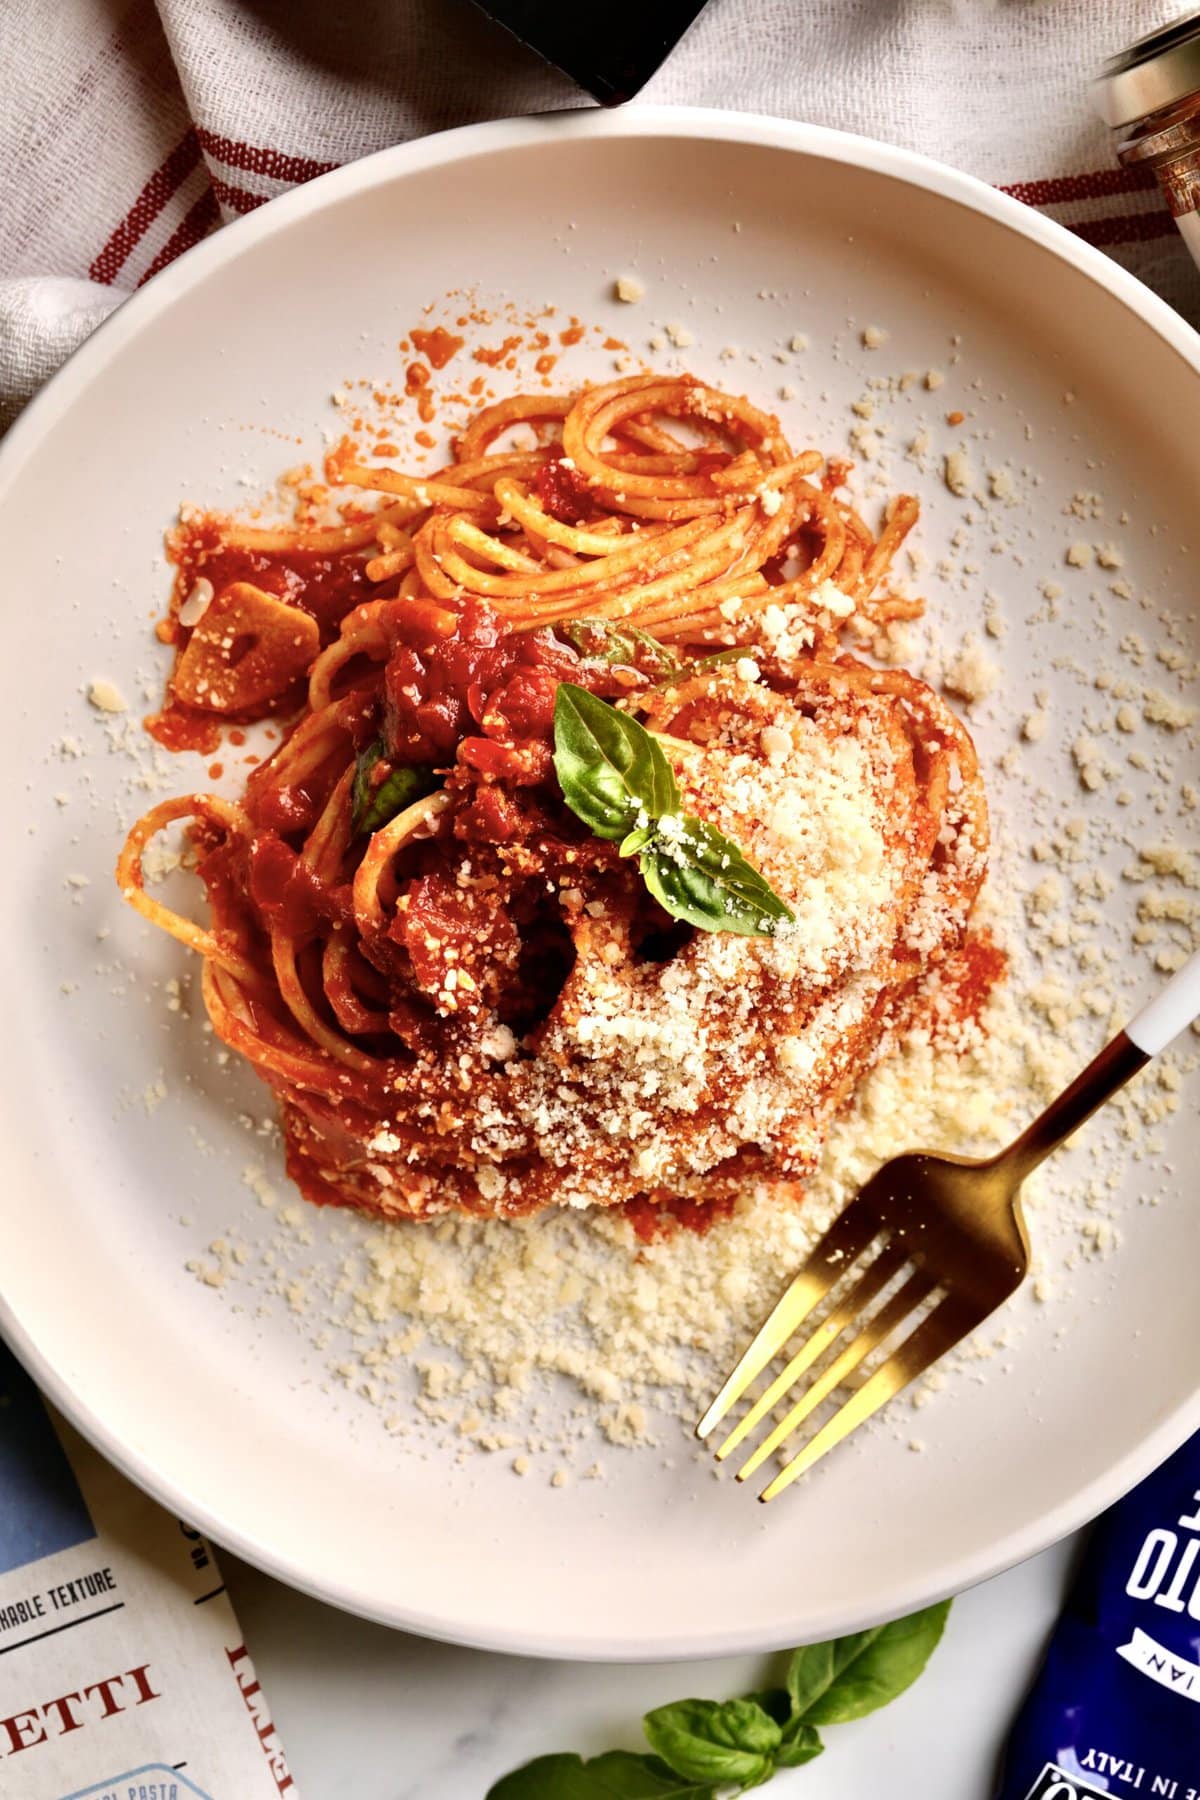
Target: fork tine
<point x="918" y="1287"/>
<point x="888" y="1263"/>
<point x="946" y="1325"/>
<point x="830" y="1259"/>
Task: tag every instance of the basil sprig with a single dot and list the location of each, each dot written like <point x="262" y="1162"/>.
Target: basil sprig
<point x="615" y="777"/>
<point x="374" y="804"/>
<point x="599" y="640"/>
<point x="702" y="1746"/>
<point x="683" y="671"/>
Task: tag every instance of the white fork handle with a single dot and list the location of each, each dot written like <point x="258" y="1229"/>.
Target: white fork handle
<point x="1169" y="1012"/>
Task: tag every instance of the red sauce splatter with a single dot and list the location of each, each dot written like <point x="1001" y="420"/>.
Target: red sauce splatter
<point x="573" y="334"/>
<point x="436" y="346"/>
<point x="416" y="377"/>
<point x="496" y="356"/>
<point x="544" y="364"/>
<point x="611" y="343"/>
<point x="385" y="447"/>
<point x="426" y="439"/>
<point x="215" y="771"/>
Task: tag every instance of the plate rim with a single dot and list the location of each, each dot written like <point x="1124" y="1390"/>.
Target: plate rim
<point x="122" y="326"/>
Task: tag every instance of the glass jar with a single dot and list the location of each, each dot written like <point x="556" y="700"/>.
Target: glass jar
<point x="1149" y="96"/>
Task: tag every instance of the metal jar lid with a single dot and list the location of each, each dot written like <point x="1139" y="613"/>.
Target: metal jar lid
<point x="1155" y="73"/>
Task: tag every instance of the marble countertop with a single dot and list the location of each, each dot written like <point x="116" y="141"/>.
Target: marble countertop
<point x="371" y="1714"/>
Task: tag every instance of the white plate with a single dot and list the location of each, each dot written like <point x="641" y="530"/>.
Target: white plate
<point x="214" y="1409"/>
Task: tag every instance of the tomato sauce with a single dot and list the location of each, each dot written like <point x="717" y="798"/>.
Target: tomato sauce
<point x="655" y="1217"/>
<point x="178" y="727"/>
<point x="563" y="494"/>
<point x="489" y="690"/>
<point x="288" y="892"/>
<point x="323" y="584"/>
<point x="977" y="966"/>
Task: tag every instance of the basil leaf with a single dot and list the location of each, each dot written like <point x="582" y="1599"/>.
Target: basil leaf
<point x="714" y="1740"/>
<point x="776" y="1703"/>
<point x="610" y="769"/>
<point x="373" y="805"/>
<point x="697" y="874"/>
<point x="683" y="670"/>
<point x="852" y="1676"/>
<point x="618" y="1775"/>
<point x="360" y="793"/>
<point x="637" y="840"/>
<point x="800" y="1744"/>
<point x="598" y="640"/>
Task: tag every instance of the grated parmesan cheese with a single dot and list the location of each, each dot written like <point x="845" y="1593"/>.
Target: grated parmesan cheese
<point x="958" y="473"/>
<point x="970" y="674"/>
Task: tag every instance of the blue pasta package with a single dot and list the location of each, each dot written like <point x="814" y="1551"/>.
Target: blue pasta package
<point x="1115" y="1709"/>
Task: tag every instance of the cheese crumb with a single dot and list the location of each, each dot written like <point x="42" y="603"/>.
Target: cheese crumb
<point x="629" y="289"/>
<point x="957" y="472"/>
<point x="874" y="337"/>
<point x="970" y="674"/>
<point x="830" y="598"/>
<point x="1160" y="709"/>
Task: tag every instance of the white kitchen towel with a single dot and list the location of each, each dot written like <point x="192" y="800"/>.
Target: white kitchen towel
<point x="130" y="129"/>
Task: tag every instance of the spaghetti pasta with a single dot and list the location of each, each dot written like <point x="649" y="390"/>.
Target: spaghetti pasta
<point x="461" y="997"/>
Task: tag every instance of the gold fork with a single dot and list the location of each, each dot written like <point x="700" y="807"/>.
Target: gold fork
<point x="949" y="1246"/>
